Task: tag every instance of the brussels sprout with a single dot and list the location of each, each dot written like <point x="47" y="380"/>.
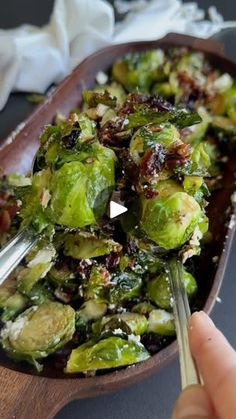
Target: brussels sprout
<point x="149" y="262"/>
<point x="204" y="157"/>
<point x="192" y="184"/>
<point x="92" y="310"/>
<point x="32" y="204"/>
<point x="107" y="353"/>
<point x="87" y="130"/>
<point x="161" y="322"/>
<point x="96" y="286"/>
<point x="170" y="221"/>
<point x="36" y="269"/>
<point x="17" y="180"/>
<point x="5" y="293"/>
<point x="125" y="285"/>
<point x="77" y="189"/>
<point x="40" y="293"/>
<point x="39" y="331"/>
<point x="93" y="98"/>
<point x="168" y="187"/>
<point x="143" y="308"/>
<point x="137" y="322"/>
<point x="60" y="276"/>
<point x="147" y="137"/>
<point x="163" y="89"/>
<point x="159" y="291"/>
<point x="13" y="306"/>
<point x="115" y="90"/>
<point x="138" y="69"/>
<point x="85" y="246"/>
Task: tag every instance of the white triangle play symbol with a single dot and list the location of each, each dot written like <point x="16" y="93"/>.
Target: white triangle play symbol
<point x="116" y="209"/>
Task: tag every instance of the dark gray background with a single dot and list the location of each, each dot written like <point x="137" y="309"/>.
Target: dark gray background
<point x="154" y="397"/>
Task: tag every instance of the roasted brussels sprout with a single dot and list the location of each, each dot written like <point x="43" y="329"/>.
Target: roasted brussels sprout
<point x="138" y="69"/>
<point x="36" y="269"/>
<point x="39" y="331"/>
<point x="108" y="353"/>
<point x="161" y="322"/>
<point x="15" y="304"/>
<point x="170" y="221"/>
<point x="147" y="137"/>
<point x="124" y="286"/>
<point x="137" y="322"/>
<point x="97" y="285"/>
<point x="158" y="289"/>
<point x="86" y="246"/>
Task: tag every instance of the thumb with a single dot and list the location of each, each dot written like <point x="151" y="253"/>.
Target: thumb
<point x="193" y="403"/>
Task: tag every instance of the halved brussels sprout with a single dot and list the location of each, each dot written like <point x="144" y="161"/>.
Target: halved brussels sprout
<point x="36" y="269"/>
<point x="161" y="322"/>
<point x="147" y="137"/>
<point x="137" y="322"/>
<point x="79" y="191"/>
<point x="170" y="221"/>
<point x="39" y="331"/>
<point x="115" y="90"/>
<point x="158" y="289"/>
<point x="92" y="310"/>
<point x="13" y="306"/>
<point x="97" y="285"/>
<point x="107" y="353"/>
<point x="86" y="246"/>
<point x="138" y="69"/>
<point x="143" y="308"/>
<point x="125" y="285"/>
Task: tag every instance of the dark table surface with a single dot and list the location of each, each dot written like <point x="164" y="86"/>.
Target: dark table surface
<point x="154" y="397"/>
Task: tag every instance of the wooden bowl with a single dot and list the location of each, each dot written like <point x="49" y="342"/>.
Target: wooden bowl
<point x="23" y="393"/>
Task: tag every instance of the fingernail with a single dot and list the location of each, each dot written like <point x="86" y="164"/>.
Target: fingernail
<point x="193" y="403"/>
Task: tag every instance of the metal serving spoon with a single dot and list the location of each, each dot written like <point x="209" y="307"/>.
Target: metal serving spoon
<point x="14" y="251"/>
<point x="188" y="370"/>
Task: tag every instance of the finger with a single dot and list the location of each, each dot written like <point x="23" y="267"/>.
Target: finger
<point x="216" y="360"/>
<point x="193" y="403"/>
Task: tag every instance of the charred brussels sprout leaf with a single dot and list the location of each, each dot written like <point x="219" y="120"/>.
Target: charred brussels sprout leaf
<point x="124" y="286"/>
<point x="39" y="331"/>
<point x="179" y="117"/>
<point x="107" y="353"/>
<point x="170" y="221"/>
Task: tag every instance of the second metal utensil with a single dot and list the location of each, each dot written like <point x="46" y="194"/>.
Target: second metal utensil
<point x="188" y="370"/>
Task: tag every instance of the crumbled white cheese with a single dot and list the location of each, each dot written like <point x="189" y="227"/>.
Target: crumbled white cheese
<point x="13" y="329"/>
<point x="218" y="299"/>
<point x="111" y="306"/>
<point x="223" y="83"/>
<point x="215" y="259"/>
<point x="224" y="159"/>
<point x="101" y="110"/>
<point x="117" y="331"/>
<point x="196" y="237"/>
<point x="134" y="338"/>
<point x="101" y="77"/>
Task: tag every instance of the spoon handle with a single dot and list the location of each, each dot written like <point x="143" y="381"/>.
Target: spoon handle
<point x="188" y="370"/>
<point x="14" y="251"/>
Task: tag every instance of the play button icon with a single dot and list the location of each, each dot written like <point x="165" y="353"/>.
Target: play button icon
<point x="116" y="209"/>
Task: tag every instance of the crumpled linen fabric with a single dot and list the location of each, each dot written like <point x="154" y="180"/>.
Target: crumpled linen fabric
<point x="32" y="58"/>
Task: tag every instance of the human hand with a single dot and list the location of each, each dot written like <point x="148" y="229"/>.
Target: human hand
<point x="216" y="362"/>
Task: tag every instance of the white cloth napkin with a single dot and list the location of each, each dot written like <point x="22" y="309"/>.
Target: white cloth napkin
<point x="32" y="58"/>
